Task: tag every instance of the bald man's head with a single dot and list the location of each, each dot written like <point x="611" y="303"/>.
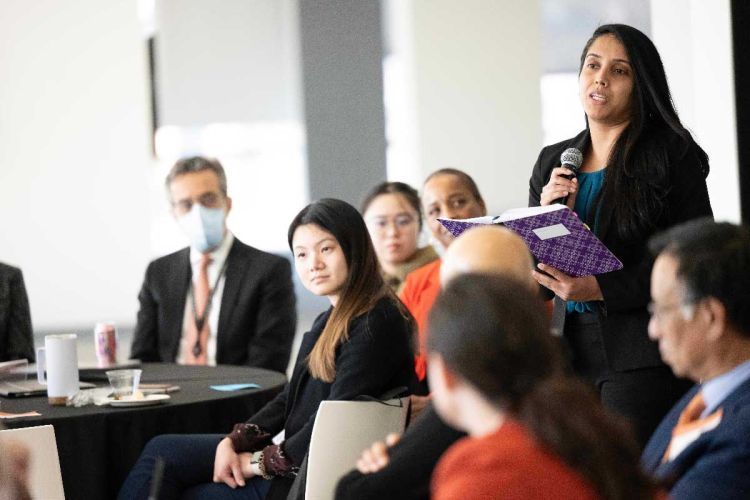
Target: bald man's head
<point x="488" y="249"/>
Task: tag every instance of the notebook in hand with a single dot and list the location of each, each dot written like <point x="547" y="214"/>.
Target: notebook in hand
<point x="554" y="234"/>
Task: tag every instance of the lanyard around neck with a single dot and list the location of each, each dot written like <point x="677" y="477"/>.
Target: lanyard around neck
<point x="200" y="321"/>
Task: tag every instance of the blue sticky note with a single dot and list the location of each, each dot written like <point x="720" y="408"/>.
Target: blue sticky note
<point x="234" y="387"/>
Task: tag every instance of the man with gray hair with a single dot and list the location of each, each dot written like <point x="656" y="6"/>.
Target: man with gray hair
<point x="218" y="301"/>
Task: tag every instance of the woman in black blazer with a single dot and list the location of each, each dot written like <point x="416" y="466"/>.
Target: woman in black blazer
<point x="360" y="346"/>
<point x="642" y="172"/>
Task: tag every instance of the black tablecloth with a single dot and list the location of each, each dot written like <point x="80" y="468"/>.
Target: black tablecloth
<point x="98" y="445"/>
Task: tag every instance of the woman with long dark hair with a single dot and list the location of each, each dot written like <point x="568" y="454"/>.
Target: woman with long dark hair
<point x="360" y="346"/>
<point x="642" y="172"/>
<point x="393" y="214"/>
<point x="533" y="433"/>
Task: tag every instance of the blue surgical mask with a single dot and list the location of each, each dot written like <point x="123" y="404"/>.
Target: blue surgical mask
<point x="204" y="226"/>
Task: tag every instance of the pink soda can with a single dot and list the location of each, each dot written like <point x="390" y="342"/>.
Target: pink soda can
<point x="105" y="338"/>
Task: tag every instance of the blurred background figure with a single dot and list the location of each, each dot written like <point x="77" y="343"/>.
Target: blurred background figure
<point x="393" y="215"/>
<point x="496" y="373"/>
<point x="218" y="301"/>
<point x="16" y="337"/>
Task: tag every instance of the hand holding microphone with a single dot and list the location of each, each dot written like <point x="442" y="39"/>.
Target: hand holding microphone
<point x="563" y="180"/>
<point x="563" y="183"/>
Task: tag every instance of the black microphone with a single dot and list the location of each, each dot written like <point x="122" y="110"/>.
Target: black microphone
<point x="572" y="159"/>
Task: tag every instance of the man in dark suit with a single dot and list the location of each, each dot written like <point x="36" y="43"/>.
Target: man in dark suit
<point x="700" y="315"/>
<point x="16" y="339"/>
<point x="219" y="301"/>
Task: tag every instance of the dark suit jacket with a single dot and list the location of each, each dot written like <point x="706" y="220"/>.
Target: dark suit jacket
<point x="717" y="464"/>
<point x="16" y="337"/>
<point x="376" y="358"/>
<point x="257" y="318"/>
<point x="627" y="292"/>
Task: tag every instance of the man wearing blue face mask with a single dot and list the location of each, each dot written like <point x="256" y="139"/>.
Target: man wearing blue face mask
<point x="219" y="301"/>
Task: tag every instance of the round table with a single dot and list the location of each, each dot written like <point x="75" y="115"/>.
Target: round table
<point x="98" y="445"/>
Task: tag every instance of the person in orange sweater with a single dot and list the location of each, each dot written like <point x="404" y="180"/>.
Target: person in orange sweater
<point x="452" y="194"/>
<point x="495" y="372"/>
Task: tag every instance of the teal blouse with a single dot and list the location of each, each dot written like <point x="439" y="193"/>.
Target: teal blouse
<point x="589" y="185"/>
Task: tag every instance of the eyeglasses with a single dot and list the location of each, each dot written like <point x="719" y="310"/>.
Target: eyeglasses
<point x="399" y="222"/>
<point x="208" y="200"/>
<point x="659" y="312"/>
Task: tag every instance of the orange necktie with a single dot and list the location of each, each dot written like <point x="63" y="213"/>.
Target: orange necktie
<point x="690" y="421"/>
<point x="201" y="292"/>
<point x="692" y="411"/>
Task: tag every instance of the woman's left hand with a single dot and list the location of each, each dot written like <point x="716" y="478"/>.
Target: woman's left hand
<point x="567" y="287"/>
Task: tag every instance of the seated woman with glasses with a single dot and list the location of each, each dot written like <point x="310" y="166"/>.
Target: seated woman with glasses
<point x="360" y="346"/>
<point x="393" y="214"/>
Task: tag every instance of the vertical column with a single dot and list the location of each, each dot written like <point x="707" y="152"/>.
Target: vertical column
<point x="342" y="54"/>
<point x="473" y="72"/>
<point x="694" y="39"/>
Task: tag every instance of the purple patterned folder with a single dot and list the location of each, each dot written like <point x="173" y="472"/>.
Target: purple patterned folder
<point x="555" y="235"/>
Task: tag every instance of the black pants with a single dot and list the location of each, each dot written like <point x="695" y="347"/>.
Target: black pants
<point x="643" y="396"/>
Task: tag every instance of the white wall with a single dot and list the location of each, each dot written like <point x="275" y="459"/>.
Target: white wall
<point x="74" y="162"/>
<point x="229" y="87"/>
<point x="227" y="61"/>
<point x="472" y="69"/>
<point x="694" y="38"/>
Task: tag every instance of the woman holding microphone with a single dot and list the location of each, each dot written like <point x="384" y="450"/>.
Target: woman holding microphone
<point x="641" y="173"/>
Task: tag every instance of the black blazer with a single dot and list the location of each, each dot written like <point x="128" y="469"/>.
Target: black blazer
<point x="376" y="358"/>
<point x="257" y="318"/>
<point x="16" y="337"/>
<point x="627" y="292"/>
